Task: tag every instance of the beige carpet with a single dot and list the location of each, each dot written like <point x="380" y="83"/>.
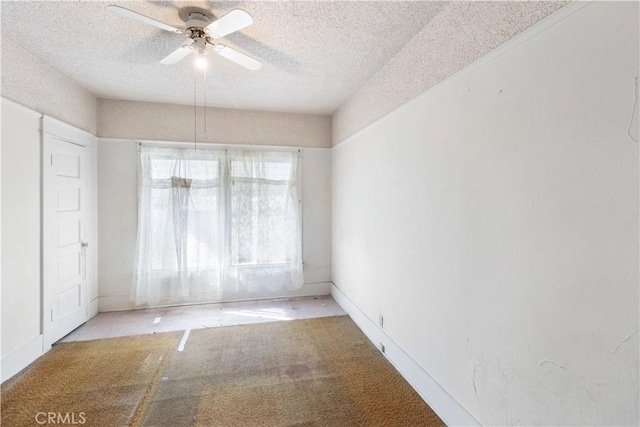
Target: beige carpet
<point x="107" y="380"/>
<point x="321" y="372"/>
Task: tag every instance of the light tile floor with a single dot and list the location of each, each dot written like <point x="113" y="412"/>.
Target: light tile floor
<point x="149" y="321"/>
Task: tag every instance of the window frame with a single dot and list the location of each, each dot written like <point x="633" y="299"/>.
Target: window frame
<point x="226" y="181"/>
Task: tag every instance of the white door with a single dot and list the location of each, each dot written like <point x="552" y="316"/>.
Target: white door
<point x="65" y="184"/>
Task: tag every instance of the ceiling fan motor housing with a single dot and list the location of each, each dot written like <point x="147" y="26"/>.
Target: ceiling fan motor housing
<point x="197" y="21"/>
<point x="195" y="29"/>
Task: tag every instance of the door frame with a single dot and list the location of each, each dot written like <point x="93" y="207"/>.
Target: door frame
<point x="53" y="130"/>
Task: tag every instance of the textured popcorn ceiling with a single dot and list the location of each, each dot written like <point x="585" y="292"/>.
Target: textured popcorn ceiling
<point x="359" y="58"/>
<point x="461" y="33"/>
<point x="315" y="55"/>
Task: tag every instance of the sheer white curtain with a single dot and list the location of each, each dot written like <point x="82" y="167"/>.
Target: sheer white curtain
<point x="265" y="236"/>
<point x="213" y="222"/>
<point x="180" y="226"/>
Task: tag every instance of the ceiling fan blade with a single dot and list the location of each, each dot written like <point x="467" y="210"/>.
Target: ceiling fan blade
<point x="230" y="23"/>
<point x="179" y="54"/>
<point x="135" y="15"/>
<point x="238" y="57"/>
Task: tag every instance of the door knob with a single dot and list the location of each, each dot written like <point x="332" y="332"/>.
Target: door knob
<point x="84" y="244"/>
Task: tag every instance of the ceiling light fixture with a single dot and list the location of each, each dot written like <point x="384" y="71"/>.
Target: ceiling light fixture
<point x="201" y="62"/>
<point x="202" y="30"/>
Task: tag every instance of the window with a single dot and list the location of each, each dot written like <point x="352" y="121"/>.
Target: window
<point x="214" y="222"/>
<point x="261" y="212"/>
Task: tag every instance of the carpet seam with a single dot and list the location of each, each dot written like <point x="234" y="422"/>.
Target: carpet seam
<point x="137" y="418"/>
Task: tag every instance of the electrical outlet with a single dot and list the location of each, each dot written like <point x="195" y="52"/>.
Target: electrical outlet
<point x="381" y="347"/>
<point x="381" y="321"/>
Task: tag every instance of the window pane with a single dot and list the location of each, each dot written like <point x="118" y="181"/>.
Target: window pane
<point x="161" y="167"/>
<point x="198" y="219"/>
<point x="262" y="223"/>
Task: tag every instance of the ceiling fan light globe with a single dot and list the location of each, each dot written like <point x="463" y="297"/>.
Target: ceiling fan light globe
<point x="201" y="62"/>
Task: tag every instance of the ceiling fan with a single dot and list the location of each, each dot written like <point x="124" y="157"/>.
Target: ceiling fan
<point x="202" y="32"/>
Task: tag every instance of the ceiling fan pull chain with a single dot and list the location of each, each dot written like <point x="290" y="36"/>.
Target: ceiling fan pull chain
<point x="195" y="113"/>
<point x="205" y="100"/>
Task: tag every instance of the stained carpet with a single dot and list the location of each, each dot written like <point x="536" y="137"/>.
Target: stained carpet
<point x="313" y="372"/>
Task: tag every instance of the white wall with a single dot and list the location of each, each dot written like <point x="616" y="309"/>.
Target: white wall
<point x="316" y="215"/>
<point x="117" y="222"/>
<point x="21" y="338"/>
<point x="117" y="213"/>
<point x="493" y="221"/>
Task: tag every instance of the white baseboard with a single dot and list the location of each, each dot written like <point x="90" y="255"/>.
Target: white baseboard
<point x="93" y="307"/>
<point x="20" y="358"/>
<point x="447" y="408"/>
<point x="122" y="302"/>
